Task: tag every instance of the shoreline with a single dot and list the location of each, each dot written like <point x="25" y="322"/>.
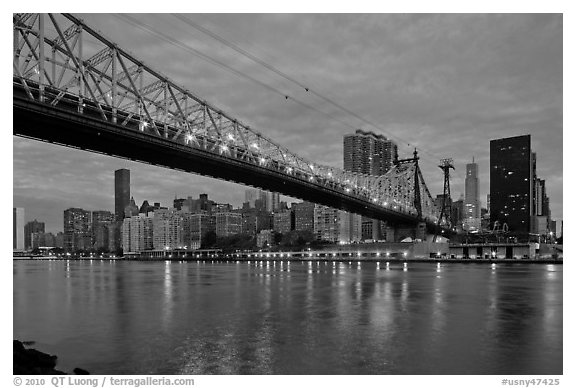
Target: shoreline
<point x="305" y="259"/>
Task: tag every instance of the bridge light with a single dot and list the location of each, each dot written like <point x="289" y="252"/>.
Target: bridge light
<point x="224" y="147"/>
<point x="385" y="203"/>
<point x="347" y="189"/>
<point x="289" y="170"/>
<point x="230" y="137"/>
<point x="255" y="145"/>
<point x="262" y="160"/>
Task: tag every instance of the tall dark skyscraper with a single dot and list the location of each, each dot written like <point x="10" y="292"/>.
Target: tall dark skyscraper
<point x="368" y="153"/>
<point x="121" y="192"/>
<point x="512" y="176"/>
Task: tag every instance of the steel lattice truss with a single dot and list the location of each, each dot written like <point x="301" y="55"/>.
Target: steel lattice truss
<point x="61" y="61"/>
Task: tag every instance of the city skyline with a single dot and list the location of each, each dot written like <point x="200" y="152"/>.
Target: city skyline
<point x="394" y="81"/>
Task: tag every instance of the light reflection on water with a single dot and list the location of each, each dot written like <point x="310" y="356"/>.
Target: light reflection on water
<point x="292" y="318"/>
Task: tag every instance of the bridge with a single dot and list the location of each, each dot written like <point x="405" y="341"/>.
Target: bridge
<point x="74" y="87"/>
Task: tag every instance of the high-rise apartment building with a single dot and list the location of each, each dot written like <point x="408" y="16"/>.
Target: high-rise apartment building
<point x="194" y="229"/>
<point x="336" y="226"/>
<point x="512" y="179"/>
<point x="18" y="229"/>
<point x="121" y="192"/>
<point x="31" y="228"/>
<point x="282" y="221"/>
<point x="471" y="198"/>
<point x="137" y="233"/>
<point x="77" y="229"/>
<point x="368" y="153"/>
<point x="303" y="216"/>
<point x="228" y="224"/>
<point x="167" y="229"/>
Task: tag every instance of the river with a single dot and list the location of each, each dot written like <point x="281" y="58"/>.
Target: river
<point x="131" y="317"/>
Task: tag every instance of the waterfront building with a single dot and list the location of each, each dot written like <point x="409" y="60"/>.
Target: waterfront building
<point x="228" y="224"/>
<point x="472" y="220"/>
<point x="40" y="239"/>
<point x="137" y="233"/>
<point x="18" y="243"/>
<point x="167" y="229"/>
<point x="121" y="192"/>
<point x="368" y="153"/>
<point x="282" y="221"/>
<point x="194" y="229"/>
<point x="336" y="226"/>
<point x="31" y="228"/>
<point x="512" y="180"/>
<point x="255" y="219"/>
<point x="100" y="221"/>
<point x="303" y="216"/>
<point x="77" y="229"/>
<point x="114" y="236"/>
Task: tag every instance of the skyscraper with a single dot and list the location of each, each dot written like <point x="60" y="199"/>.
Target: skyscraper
<point x="77" y="229"/>
<point x="31" y="228"/>
<point x="121" y="192"/>
<point x="471" y="198"/>
<point x="368" y="153"/>
<point x="18" y="229"/>
<point x="512" y="175"/>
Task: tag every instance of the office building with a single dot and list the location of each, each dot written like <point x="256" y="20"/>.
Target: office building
<point x="18" y="229"/>
<point x="512" y="179"/>
<point x="121" y="192"/>
<point x="77" y="229"/>
<point x="472" y="221"/>
<point x="30" y="228"/>
<point x="262" y="200"/>
<point x="100" y="221"/>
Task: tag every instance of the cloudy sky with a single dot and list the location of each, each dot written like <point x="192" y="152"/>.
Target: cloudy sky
<point x="446" y="84"/>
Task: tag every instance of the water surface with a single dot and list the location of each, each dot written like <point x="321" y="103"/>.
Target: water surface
<point x="306" y="318"/>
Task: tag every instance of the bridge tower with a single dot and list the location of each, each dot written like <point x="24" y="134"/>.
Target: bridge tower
<point x="444" y="219"/>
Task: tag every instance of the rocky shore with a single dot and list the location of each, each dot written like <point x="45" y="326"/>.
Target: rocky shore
<point x="33" y="362"/>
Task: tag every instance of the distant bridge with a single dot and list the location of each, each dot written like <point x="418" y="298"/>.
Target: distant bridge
<point x="74" y="87"/>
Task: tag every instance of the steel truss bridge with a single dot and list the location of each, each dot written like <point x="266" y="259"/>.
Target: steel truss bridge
<point x="73" y="86"/>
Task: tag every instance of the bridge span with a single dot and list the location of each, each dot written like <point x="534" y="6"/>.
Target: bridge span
<point x="100" y="98"/>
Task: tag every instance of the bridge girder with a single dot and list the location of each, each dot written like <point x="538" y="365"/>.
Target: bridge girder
<point x="104" y="82"/>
